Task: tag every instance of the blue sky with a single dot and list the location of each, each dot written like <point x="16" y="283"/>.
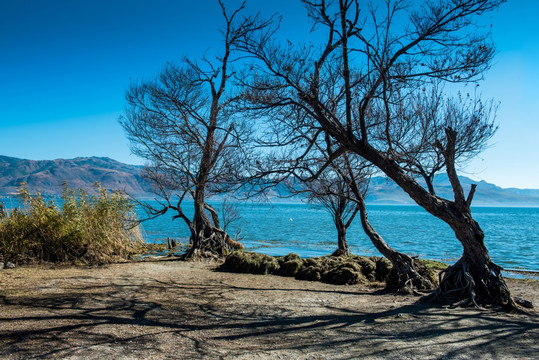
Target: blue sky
<point x="65" y="65"/>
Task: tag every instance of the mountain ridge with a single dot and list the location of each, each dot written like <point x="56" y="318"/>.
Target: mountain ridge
<point x="47" y="176"/>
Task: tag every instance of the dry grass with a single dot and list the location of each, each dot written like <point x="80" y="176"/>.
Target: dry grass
<point x="81" y="228"/>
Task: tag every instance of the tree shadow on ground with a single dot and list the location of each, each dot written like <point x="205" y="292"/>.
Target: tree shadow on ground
<point x="157" y="318"/>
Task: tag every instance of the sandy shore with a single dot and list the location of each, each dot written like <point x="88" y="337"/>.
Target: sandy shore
<point x="178" y="310"/>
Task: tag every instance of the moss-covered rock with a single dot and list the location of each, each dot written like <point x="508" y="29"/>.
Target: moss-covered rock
<point x="291" y="267"/>
<point x="434" y="265"/>
<point x="316" y="262"/>
<point x="335" y="270"/>
<point x="291" y="257"/>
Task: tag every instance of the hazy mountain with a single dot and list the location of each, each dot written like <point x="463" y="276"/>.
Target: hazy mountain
<point x="48" y="175"/>
<point x="385" y="191"/>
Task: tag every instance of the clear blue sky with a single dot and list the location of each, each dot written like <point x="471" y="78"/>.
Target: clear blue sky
<point x="65" y="64"/>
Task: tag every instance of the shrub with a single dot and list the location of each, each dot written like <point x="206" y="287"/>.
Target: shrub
<point x="89" y="229"/>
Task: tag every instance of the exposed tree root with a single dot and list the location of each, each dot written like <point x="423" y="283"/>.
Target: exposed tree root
<point x="463" y="284"/>
<point x="214" y="246"/>
<point x="341" y="253"/>
<point x="409" y="276"/>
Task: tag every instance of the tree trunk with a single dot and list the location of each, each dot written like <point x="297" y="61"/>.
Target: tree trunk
<point x="206" y="239"/>
<point x="474" y="279"/>
<point x="407" y="274"/>
<point x="342" y="244"/>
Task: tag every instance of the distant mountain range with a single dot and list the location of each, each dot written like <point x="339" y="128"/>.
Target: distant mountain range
<point x="48" y="175"/>
<point x="385" y="191"/>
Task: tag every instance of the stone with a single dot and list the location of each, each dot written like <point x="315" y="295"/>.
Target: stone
<point x="10" y="265"/>
<point x="1" y="265"/>
<point x="523" y="302"/>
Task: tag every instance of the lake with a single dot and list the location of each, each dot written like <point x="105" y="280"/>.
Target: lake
<point x="277" y="229"/>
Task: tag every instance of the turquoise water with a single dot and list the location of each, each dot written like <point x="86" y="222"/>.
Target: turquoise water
<point x="277" y="229"/>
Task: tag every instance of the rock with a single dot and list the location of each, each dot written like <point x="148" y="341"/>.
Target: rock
<point x="10" y="265"/>
<point x="1" y="265"/>
<point x="523" y="302"/>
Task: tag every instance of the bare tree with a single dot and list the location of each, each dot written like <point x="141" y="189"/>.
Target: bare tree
<point x="343" y="194"/>
<point x="364" y="88"/>
<point x="407" y="274"/>
<point x="186" y="125"/>
<point x="333" y="193"/>
<point x="338" y="183"/>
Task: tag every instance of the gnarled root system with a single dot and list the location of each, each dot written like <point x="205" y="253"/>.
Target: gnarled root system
<point x="410" y="276"/>
<point x="468" y="284"/>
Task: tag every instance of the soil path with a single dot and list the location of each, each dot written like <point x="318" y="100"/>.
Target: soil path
<point x="178" y="310"/>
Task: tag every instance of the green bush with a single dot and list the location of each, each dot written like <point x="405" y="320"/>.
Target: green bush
<point x="88" y="229"/>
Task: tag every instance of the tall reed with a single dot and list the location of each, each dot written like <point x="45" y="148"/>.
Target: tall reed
<point x="82" y="228"/>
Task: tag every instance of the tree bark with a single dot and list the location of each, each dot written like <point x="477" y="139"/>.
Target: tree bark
<point x="407" y="274"/>
<point x="342" y="243"/>
<point x="474" y="279"/>
<point x="207" y="240"/>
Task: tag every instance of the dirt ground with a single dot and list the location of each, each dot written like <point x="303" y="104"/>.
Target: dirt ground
<point x="178" y="310"/>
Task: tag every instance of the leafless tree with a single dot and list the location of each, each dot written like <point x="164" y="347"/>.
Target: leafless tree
<point x="407" y="274"/>
<point x="334" y="194"/>
<point x="369" y="86"/>
<point x="186" y="125"/>
<point x="339" y="184"/>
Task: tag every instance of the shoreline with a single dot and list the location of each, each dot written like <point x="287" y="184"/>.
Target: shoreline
<point x="520" y="273"/>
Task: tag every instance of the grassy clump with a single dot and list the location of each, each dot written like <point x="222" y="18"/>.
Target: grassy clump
<point x="289" y="265"/>
<point x="330" y="269"/>
<point x="383" y="267"/>
<point x="434" y="265"/>
<point x="347" y="273"/>
<point x="86" y="229"/>
<point x="251" y="262"/>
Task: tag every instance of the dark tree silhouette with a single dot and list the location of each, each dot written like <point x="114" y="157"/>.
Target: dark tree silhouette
<point x="334" y="193"/>
<point x="370" y="89"/>
<point x="186" y="125"/>
<point x="299" y="152"/>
